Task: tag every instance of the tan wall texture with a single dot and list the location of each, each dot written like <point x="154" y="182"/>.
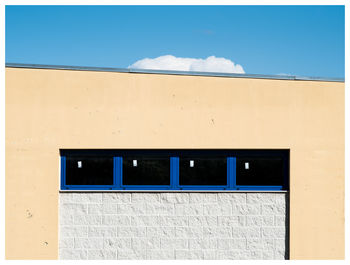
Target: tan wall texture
<point x="51" y="109"/>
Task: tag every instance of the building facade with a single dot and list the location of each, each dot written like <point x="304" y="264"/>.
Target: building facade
<point x="54" y="113"/>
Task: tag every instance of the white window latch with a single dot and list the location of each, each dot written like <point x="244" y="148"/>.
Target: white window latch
<point x="246" y="165"/>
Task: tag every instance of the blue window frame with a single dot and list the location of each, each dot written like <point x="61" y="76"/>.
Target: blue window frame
<point x="145" y="187"/>
<point x="65" y="186"/>
<point x="272" y="172"/>
<point x="229" y="175"/>
<point x="174" y="172"/>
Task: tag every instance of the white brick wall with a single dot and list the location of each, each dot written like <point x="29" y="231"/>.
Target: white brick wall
<point x="172" y="225"/>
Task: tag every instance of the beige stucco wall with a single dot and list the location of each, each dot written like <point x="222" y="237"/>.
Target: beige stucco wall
<point x="51" y="109"/>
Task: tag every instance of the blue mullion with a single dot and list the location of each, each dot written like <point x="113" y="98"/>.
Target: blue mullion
<point x="199" y="187"/>
<point x="234" y="172"/>
<point x="259" y="187"/>
<point x="231" y="173"/>
<point x="118" y="167"/>
<point x="174" y="173"/>
<point x="146" y="188"/>
<point x="114" y="171"/>
<point x="228" y="172"/>
<point x="63" y="172"/>
<point x="87" y="187"/>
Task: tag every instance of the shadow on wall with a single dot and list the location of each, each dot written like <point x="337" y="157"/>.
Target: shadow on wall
<point x="286" y="254"/>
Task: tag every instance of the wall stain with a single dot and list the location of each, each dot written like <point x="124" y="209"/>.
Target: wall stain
<point x="29" y="214"/>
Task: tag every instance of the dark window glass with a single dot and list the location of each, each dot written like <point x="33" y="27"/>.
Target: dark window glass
<point x="203" y="171"/>
<point x="146" y="170"/>
<point x="86" y="170"/>
<point x="260" y="171"/>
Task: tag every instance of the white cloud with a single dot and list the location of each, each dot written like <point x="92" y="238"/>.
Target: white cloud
<point x="169" y="62"/>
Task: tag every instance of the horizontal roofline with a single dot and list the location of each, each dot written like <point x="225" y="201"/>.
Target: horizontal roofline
<point x="171" y="72"/>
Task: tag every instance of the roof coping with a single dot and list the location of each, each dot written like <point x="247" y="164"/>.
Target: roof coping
<point x="171" y="72"/>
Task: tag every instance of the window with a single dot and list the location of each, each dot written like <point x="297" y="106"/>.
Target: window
<point x="204" y="171"/>
<point x="89" y="170"/>
<point x="174" y="169"/>
<point x="139" y="170"/>
<point x="260" y="171"/>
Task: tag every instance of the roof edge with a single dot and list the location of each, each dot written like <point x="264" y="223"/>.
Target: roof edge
<point x="171" y="72"/>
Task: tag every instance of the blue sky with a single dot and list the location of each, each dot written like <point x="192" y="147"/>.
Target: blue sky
<point x="297" y="40"/>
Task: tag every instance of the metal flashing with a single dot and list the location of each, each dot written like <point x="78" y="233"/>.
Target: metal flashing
<point x="171" y="72"/>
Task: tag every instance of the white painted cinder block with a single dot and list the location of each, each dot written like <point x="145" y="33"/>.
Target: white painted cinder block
<point x="155" y="254"/>
<point x="184" y="225"/>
